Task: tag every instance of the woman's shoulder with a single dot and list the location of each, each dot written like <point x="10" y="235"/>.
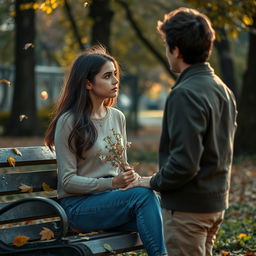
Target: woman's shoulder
<point x="116" y="112"/>
<point x="66" y="119"/>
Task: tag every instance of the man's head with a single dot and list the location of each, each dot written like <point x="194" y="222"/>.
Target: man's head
<point x="188" y="35"/>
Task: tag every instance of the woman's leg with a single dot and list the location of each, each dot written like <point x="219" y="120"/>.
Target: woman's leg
<point x="117" y="209"/>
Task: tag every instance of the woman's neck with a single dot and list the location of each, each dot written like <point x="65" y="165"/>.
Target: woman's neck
<point x="98" y="111"/>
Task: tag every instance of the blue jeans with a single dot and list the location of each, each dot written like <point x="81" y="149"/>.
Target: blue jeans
<point x="136" y="209"/>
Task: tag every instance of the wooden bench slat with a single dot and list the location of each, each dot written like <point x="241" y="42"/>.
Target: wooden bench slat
<point x="26" y="211"/>
<point x="32" y="231"/>
<point x="120" y="243"/>
<point x="30" y="156"/>
<point x="10" y="182"/>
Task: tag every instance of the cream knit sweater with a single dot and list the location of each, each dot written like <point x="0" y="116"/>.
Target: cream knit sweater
<point x="77" y="176"/>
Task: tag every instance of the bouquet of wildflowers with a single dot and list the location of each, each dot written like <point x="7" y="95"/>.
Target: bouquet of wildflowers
<point x="116" y="150"/>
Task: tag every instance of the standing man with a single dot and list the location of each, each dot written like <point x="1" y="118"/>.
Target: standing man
<point x="196" y="145"/>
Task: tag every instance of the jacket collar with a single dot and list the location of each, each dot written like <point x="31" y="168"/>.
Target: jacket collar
<point x="195" y="69"/>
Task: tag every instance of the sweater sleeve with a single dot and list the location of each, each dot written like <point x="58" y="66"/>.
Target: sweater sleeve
<point x="68" y="177"/>
<point x="186" y="123"/>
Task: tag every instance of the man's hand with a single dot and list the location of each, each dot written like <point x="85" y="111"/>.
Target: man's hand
<point x="139" y="182"/>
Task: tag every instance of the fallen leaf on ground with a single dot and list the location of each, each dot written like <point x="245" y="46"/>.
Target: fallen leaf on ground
<point x="11" y="161"/>
<point x="20" y="240"/>
<point x="16" y="151"/>
<point x="46" y="234"/>
<point x="25" y="188"/>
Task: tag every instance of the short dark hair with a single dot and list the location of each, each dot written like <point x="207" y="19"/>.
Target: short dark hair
<point x="190" y="31"/>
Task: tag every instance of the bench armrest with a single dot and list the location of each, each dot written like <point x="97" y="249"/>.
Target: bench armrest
<point x="59" y="210"/>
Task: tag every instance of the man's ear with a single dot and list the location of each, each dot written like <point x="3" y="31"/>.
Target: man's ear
<point x="88" y="85"/>
<point x="176" y="52"/>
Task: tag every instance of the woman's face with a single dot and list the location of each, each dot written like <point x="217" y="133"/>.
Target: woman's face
<point x="105" y="84"/>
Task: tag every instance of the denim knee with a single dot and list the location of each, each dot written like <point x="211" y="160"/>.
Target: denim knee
<point x="145" y="195"/>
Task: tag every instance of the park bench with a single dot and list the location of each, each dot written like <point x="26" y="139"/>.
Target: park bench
<point x="28" y="213"/>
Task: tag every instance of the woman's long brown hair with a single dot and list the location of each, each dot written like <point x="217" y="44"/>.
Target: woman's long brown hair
<point x="75" y="100"/>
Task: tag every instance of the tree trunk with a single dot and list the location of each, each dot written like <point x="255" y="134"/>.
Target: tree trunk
<point x="226" y="61"/>
<point x="101" y="14"/>
<point x="24" y="100"/>
<point x="246" y="135"/>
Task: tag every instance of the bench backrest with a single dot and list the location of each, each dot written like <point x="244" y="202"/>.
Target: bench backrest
<point x="36" y="168"/>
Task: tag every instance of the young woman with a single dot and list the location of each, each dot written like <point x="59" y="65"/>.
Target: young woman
<point x="89" y="188"/>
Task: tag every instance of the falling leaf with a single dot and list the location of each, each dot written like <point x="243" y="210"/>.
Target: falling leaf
<point x="46" y="234"/>
<point x="20" y="240"/>
<point x="44" y="95"/>
<point x="23" y="117"/>
<point x="247" y="20"/>
<point x="11" y="161"/>
<point x="46" y="187"/>
<point x="5" y="82"/>
<point x="86" y="4"/>
<point x="108" y="248"/>
<point x="25" y="188"/>
<point x="28" y="45"/>
<point x="16" y="151"/>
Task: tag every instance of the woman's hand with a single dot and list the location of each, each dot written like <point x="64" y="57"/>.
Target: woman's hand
<point x="139" y="182"/>
<point x="124" y="178"/>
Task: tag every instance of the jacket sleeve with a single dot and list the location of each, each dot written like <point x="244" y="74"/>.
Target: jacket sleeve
<point x="186" y="124"/>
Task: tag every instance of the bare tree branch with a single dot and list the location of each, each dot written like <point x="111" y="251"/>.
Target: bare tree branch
<point x="144" y="40"/>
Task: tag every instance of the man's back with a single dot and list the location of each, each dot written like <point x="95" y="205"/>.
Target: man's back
<point x="196" y="145"/>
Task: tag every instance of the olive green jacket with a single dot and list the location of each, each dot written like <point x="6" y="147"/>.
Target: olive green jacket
<point x="196" y="145"/>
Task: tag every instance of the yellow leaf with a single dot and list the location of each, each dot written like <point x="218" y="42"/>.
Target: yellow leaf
<point x="46" y="234"/>
<point x="242" y="235"/>
<point x="11" y="161"/>
<point x="25" y="188"/>
<point x="46" y="187"/>
<point x="4" y="81"/>
<point x="27" y="45"/>
<point x="23" y="117"/>
<point x="108" y="248"/>
<point x="16" y="151"/>
<point x="20" y="240"/>
<point x="86" y="238"/>
<point x="247" y="20"/>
